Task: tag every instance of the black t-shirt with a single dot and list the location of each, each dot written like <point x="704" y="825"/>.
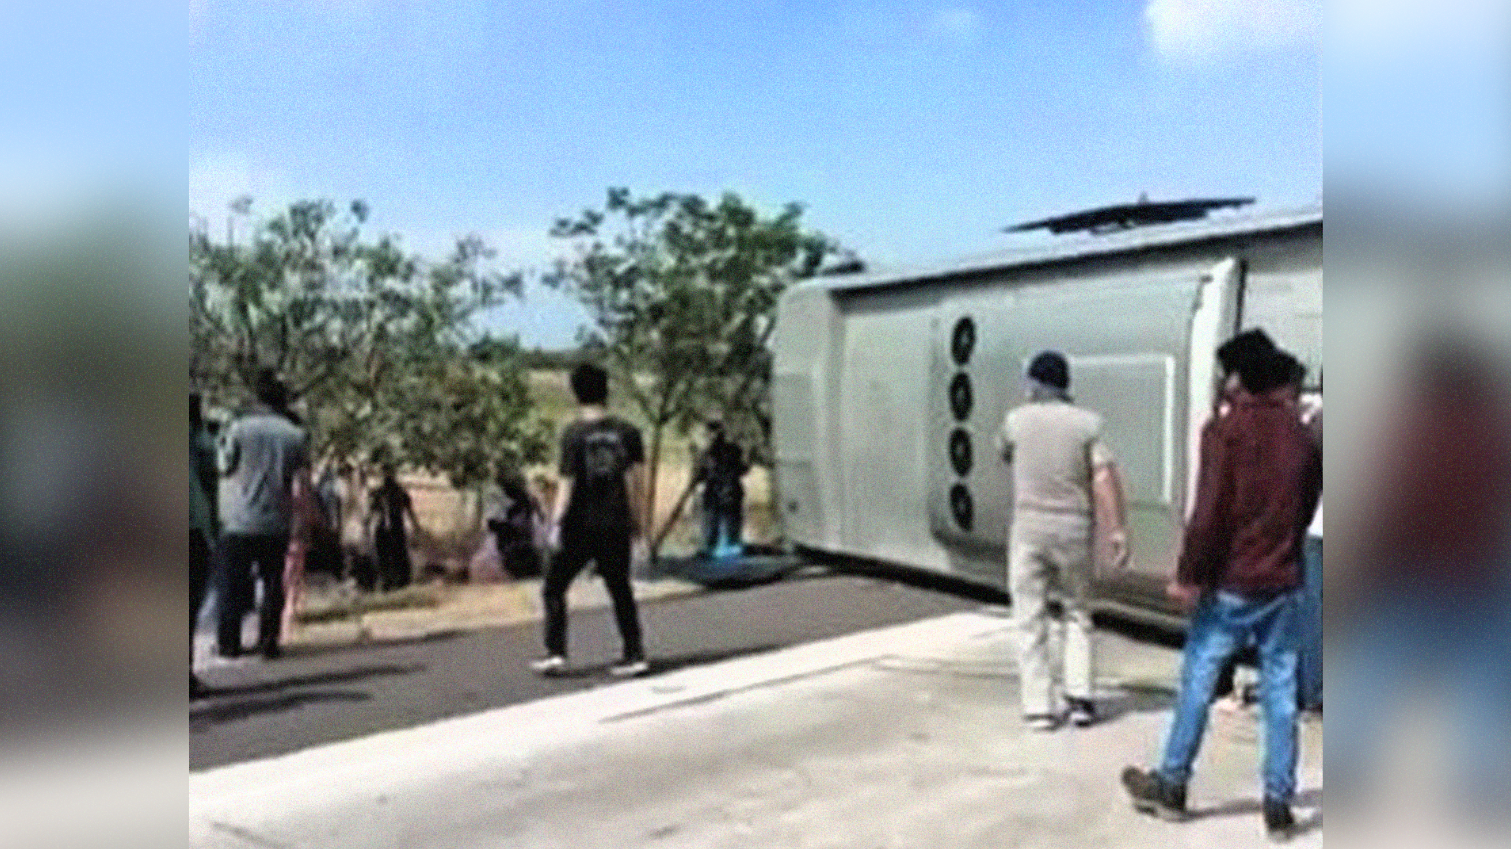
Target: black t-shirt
<point x="720" y="469"/>
<point x="390" y="503"/>
<point x="596" y="455"/>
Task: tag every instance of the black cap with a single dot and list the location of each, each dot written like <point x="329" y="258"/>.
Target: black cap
<point x="1051" y="369"/>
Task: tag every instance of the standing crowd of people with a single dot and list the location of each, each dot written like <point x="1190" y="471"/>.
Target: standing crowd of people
<point x="256" y="517"/>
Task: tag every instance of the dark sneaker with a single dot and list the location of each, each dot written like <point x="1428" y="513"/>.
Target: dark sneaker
<point x="630" y="667"/>
<point x="551" y="665"/>
<point x="1083" y="712"/>
<point x="1155" y="796"/>
<point x="197" y="688"/>
<point x="271" y="651"/>
<point x="1279" y="822"/>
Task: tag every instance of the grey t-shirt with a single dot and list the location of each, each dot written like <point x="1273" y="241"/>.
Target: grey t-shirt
<point x="258" y="455"/>
<point x="1053" y="447"/>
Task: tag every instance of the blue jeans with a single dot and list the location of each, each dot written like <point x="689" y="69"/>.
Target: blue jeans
<point x="1310" y="670"/>
<point x="1222" y="623"/>
<point x="721" y="528"/>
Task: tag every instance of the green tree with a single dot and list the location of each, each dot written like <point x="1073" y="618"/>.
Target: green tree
<point x="682" y="293"/>
<point x="371" y="338"/>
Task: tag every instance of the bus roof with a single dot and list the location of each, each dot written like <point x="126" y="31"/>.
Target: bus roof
<point x="1064" y="250"/>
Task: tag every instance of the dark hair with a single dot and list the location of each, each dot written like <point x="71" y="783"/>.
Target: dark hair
<point x="270" y="390"/>
<point x="1051" y="369"/>
<point x="590" y="384"/>
<point x="1297" y="370"/>
<point x="1270" y="372"/>
<point x="1246" y="350"/>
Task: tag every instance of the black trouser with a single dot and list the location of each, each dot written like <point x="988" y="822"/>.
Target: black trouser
<point x="199" y="574"/>
<point x="610" y="550"/>
<point x="394" y="568"/>
<point x="199" y="581"/>
<point x="242" y="555"/>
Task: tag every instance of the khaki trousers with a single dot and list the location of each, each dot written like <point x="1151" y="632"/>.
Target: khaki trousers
<point x="1049" y="576"/>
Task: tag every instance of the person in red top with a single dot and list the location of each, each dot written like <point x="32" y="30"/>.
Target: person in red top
<point x="1239" y="568"/>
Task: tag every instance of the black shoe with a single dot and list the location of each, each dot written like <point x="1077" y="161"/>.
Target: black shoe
<point x="1153" y="795"/>
<point x="1279" y="822"/>
<point x="271" y="651"/>
<point x="197" y="688"/>
<point x="1083" y="712"/>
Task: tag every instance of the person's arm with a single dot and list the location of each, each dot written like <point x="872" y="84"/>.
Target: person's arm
<point x="1004" y="443"/>
<point x="414" y="518"/>
<point x="227" y="450"/>
<point x="558" y="511"/>
<point x="634" y="480"/>
<point x="1205" y="535"/>
<point x="1111" y="509"/>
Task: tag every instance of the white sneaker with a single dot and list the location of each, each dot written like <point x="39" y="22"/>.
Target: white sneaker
<point x="1041" y="722"/>
<point x="551" y="665"/>
<point x="630" y="668"/>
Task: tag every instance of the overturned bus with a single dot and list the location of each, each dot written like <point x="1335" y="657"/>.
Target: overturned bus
<point x="888" y="388"/>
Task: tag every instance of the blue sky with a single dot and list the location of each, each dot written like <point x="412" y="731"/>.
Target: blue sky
<point x="911" y="131"/>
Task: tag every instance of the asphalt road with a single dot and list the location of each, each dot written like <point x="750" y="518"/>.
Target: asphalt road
<point x="328" y="694"/>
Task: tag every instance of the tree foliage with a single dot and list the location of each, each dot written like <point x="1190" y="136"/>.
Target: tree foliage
<point x="682" y="293"/>
<point x="371" y="338"/>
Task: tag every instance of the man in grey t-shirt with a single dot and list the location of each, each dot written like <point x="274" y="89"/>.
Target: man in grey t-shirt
<point x="1064" y="481"/>
<point x="263" y="458"/>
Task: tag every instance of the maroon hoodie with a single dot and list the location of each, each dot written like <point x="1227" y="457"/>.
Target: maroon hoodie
<point x="1258" y="485"/>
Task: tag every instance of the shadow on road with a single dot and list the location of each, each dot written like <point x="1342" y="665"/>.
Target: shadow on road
<point x="344" y="676"/>
<point x="1134" y="698"/>
<point x="322" y="649"/>
<point x="215" y="714"/>
<point x="1307" y="799"/>
<point x="663" y="665"/>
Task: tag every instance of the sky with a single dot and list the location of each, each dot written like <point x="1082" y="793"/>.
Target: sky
<point x="911" y="132"/>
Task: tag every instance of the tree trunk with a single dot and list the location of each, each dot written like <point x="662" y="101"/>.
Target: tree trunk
<point x="651" y="473"/>
<point x="666" y="528"/>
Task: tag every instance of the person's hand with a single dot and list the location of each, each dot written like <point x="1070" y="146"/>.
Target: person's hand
<point x="553" y="536"/>
<point x="1184" y="595"/>
<point x="1118" y="540"/>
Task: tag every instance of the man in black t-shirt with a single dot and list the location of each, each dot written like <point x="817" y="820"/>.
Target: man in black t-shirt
<point x="599" y="511"/>
<point x="720" y="468"/>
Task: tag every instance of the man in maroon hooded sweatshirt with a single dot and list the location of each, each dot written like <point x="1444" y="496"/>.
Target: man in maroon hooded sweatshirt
<point x="1240" y="569"/>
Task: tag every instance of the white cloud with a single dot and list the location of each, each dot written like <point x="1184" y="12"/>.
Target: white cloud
<point x="957" y="23"/>
<point x="1202" y="30"/>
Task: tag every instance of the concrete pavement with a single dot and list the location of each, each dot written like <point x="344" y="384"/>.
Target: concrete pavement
<point x="904" y="736"/>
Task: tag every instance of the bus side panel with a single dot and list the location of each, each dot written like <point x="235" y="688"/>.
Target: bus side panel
<point x="1125" y="335"/>
<point x="883" y="389"/>
<point x="804" y="394"/>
